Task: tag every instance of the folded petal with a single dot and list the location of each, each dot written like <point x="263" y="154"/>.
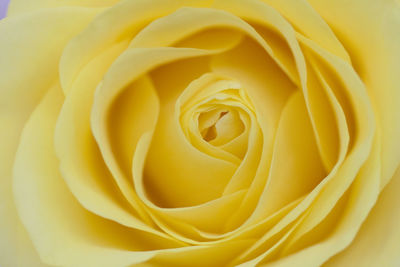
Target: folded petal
<point x="63" y="232"/>
<point x="378" y="241"/>
<point x="370" y="31"/>
<point x="30" y="47"/>
<point x="21" y="6"/>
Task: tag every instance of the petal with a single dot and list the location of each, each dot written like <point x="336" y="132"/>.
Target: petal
<point x="81" y="162"/>
<point x="197" y="177"/>
<point x="130" y="66"/>
<point x="362" y="196"/>
<point x="331" y="189"/>
<point x="378" y="241"/>
<point x="375" y="55"/>
<point x="21" y="6"/>
<point x="198" y="216"/>
<point x="63" y="232"/>
<point x="308" y="22"/>
<point x="122" y="20"/>
<point x="292" y="175"/>
<point x="46" y="33"/>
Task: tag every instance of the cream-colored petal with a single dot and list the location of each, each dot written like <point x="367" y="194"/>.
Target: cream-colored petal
<point x="197" y="177"/>
<point x="134" y="112"/>
<point x="296" y="166"/>
<point x="328" y="118"/>
<point x="341" y="124"/>
<point x="201" y="104"/>
<point x="209" y="216"/>
<point x="308" y="22"/>
<point x="363" y="195"/>
<point x="313" y="25"/>
<point x="123" y="20"/>
<point x="206" y="144"/>
<point x="376" y="57"/>
<point x="81" y="162"/>
<point x="130" y="66"/>
<point x="46" y="33"/>
<point x="361" y="130"/>
<point x="199" y="256"/>
<point x="332" y="188"/>
<point x="290" y="176"/>
<point x="227" y="127"/>
<point x="178" y="28"/>
<point x="17" y="7"/>
<point x="377" y="242"/>
<point x="268" y="89"/>
<point x="64" y="233"/>
<point x="239" y="145"/>
<point x="259" y="13"/>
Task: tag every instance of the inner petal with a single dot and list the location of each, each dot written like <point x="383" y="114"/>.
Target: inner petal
<point x="184" y="176"/>
<point x="227" y="127"/>
<point x="216" y="115"/>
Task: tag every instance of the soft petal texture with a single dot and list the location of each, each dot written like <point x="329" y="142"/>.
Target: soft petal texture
<point x="21" y="6"/>
<point x="47" y="32"/>
<point x="199" y="132"/>
<point x="332" y="189"/>
<point x="130" y="66"/>
<point x="377" y="46"/>
<point x="124" y="19"/>
<point x="377" y="242"/>
<point x="63" y="232"/>
<point x="81" y="163"/>
<point x="307" y="21"/>
<point x="363" y="194"/>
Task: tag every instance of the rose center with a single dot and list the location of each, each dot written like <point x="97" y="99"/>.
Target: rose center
<point x="219" y="126"/>
<point x="216" y="115"/>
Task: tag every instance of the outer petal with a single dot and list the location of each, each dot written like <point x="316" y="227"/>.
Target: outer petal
<point x="377" y="243"/>
<point x="308" y="22"/>
<point x="370" y="31"/>
<point x="44" y="34"/>
<point x="21" y="6"/>
<point x="64" y="233"/>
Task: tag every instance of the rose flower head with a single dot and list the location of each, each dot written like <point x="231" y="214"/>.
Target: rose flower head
<point x="200" y="133"/>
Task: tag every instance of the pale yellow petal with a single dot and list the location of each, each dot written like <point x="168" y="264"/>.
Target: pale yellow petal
<point x="131" y="65"/>
<point x="199" y="256"/>
<point x="337" y="182"/>
<point x="269" y="91"/>
<point x="307" y="21"/>
<point x="271" y="22"/>
<point x="198" y="216"/>
<point x="197" y="176"/>
<point x="81" y="162"/>
<point x="378" y="241"/>
<point x="123" y="20"/>
<point x="21" y="64"/>
<point x="292" y="176"/>
<point x="194" y="112"/>
<point x="63" y="232"/>
<point x="361" y="132"/>
<point x="370" y="31"/>
<point x="328" y="118"/>
<point x="17" y="7"/>
<point x="363" y="194"/>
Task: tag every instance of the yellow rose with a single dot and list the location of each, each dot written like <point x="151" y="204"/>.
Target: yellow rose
<point x="200" y="133"/>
